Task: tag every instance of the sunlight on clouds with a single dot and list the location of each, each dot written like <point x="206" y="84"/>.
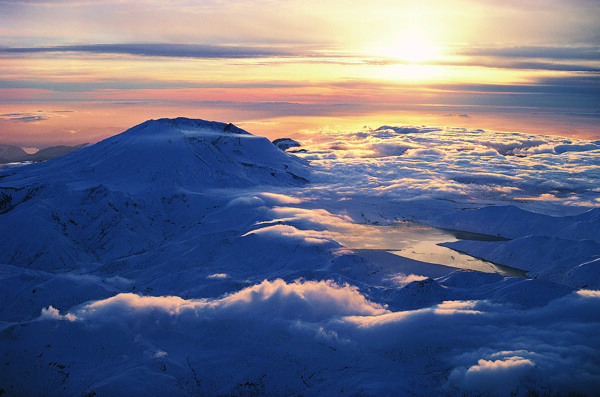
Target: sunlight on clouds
<point x="288" y="231"/>
<point x="402" y="280"/>
<point x="494" y="376"/>
<point x="133" y="304"/>
<point x="218" y="276"/>
<point x="457" y="163"/>
<point x="305" y="299"/>
<point x="280" y="199"/>
<point x="448" y="308"/>
<point x="454" y="307"/>
<point x="52" y="313"/>
<point x="485" y="365"/>
<point x="313" y="216"/>
<point x="589" y="293"/>
<point x="310" y="300"/>
<point x="366" y="322"/>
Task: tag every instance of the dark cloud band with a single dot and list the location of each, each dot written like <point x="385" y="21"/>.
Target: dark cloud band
<point x="546" y="52"/>
<point x="163" y="50"/>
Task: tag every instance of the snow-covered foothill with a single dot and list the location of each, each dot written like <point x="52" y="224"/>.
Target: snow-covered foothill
<point x="566" y="261"/>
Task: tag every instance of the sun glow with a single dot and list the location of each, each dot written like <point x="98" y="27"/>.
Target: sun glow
<point x="411" y="46"/>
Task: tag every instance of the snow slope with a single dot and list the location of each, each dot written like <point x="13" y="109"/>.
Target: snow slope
<point x="563" y="249"/>
<point x="566" y="261"/>
<point x="512" y="222"/>
<point x="186" y="257"/>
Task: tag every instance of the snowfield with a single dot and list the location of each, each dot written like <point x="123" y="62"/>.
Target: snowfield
<point x="186" y="257"/>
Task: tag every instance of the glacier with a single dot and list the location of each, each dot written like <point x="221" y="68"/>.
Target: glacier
<point x="189" y="257"/>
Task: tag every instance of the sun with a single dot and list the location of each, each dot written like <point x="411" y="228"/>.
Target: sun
<point x="410" y="55"/>
<point x="411" y="46"/>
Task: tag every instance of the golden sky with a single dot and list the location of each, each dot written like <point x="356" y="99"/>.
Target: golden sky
<point x="74" y="71"/>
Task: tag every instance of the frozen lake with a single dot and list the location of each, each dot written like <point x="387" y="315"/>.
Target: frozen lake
<point x="420" y="242"/>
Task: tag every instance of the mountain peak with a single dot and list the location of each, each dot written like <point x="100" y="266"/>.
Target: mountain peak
<point x="186" y="124"/>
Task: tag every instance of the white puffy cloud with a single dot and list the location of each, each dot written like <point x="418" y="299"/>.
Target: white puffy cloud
<point x="218" y="276"/>
<point x="280" y="199"/>
<point x="51" y="313"/>
<point x="311" y="300"/>
<point x="288" y="231"/>
<point x="246" y="201"/>
<point x="402" y="279"/>
<point x="498" y="377"/>
<point x="309" y="217"/>
<point x="589" y="293"/>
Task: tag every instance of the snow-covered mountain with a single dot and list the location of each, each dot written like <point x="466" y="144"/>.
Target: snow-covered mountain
<point x="134" y="193"/>
<point x="180" y="152"/>
<point x="187" y="257"/>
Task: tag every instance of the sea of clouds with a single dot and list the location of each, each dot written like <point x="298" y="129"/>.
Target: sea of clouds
<point x="549" y="173"/>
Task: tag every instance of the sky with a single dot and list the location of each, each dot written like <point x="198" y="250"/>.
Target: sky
<point x="77" y="71"/>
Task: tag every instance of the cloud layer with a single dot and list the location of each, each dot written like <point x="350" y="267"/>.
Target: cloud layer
<point x="458" y="164"/>
<point x="483" y="347"/>
<point x="162" y="50"/>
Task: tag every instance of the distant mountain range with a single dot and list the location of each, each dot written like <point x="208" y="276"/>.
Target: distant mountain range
<point x="15" y="154"/>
